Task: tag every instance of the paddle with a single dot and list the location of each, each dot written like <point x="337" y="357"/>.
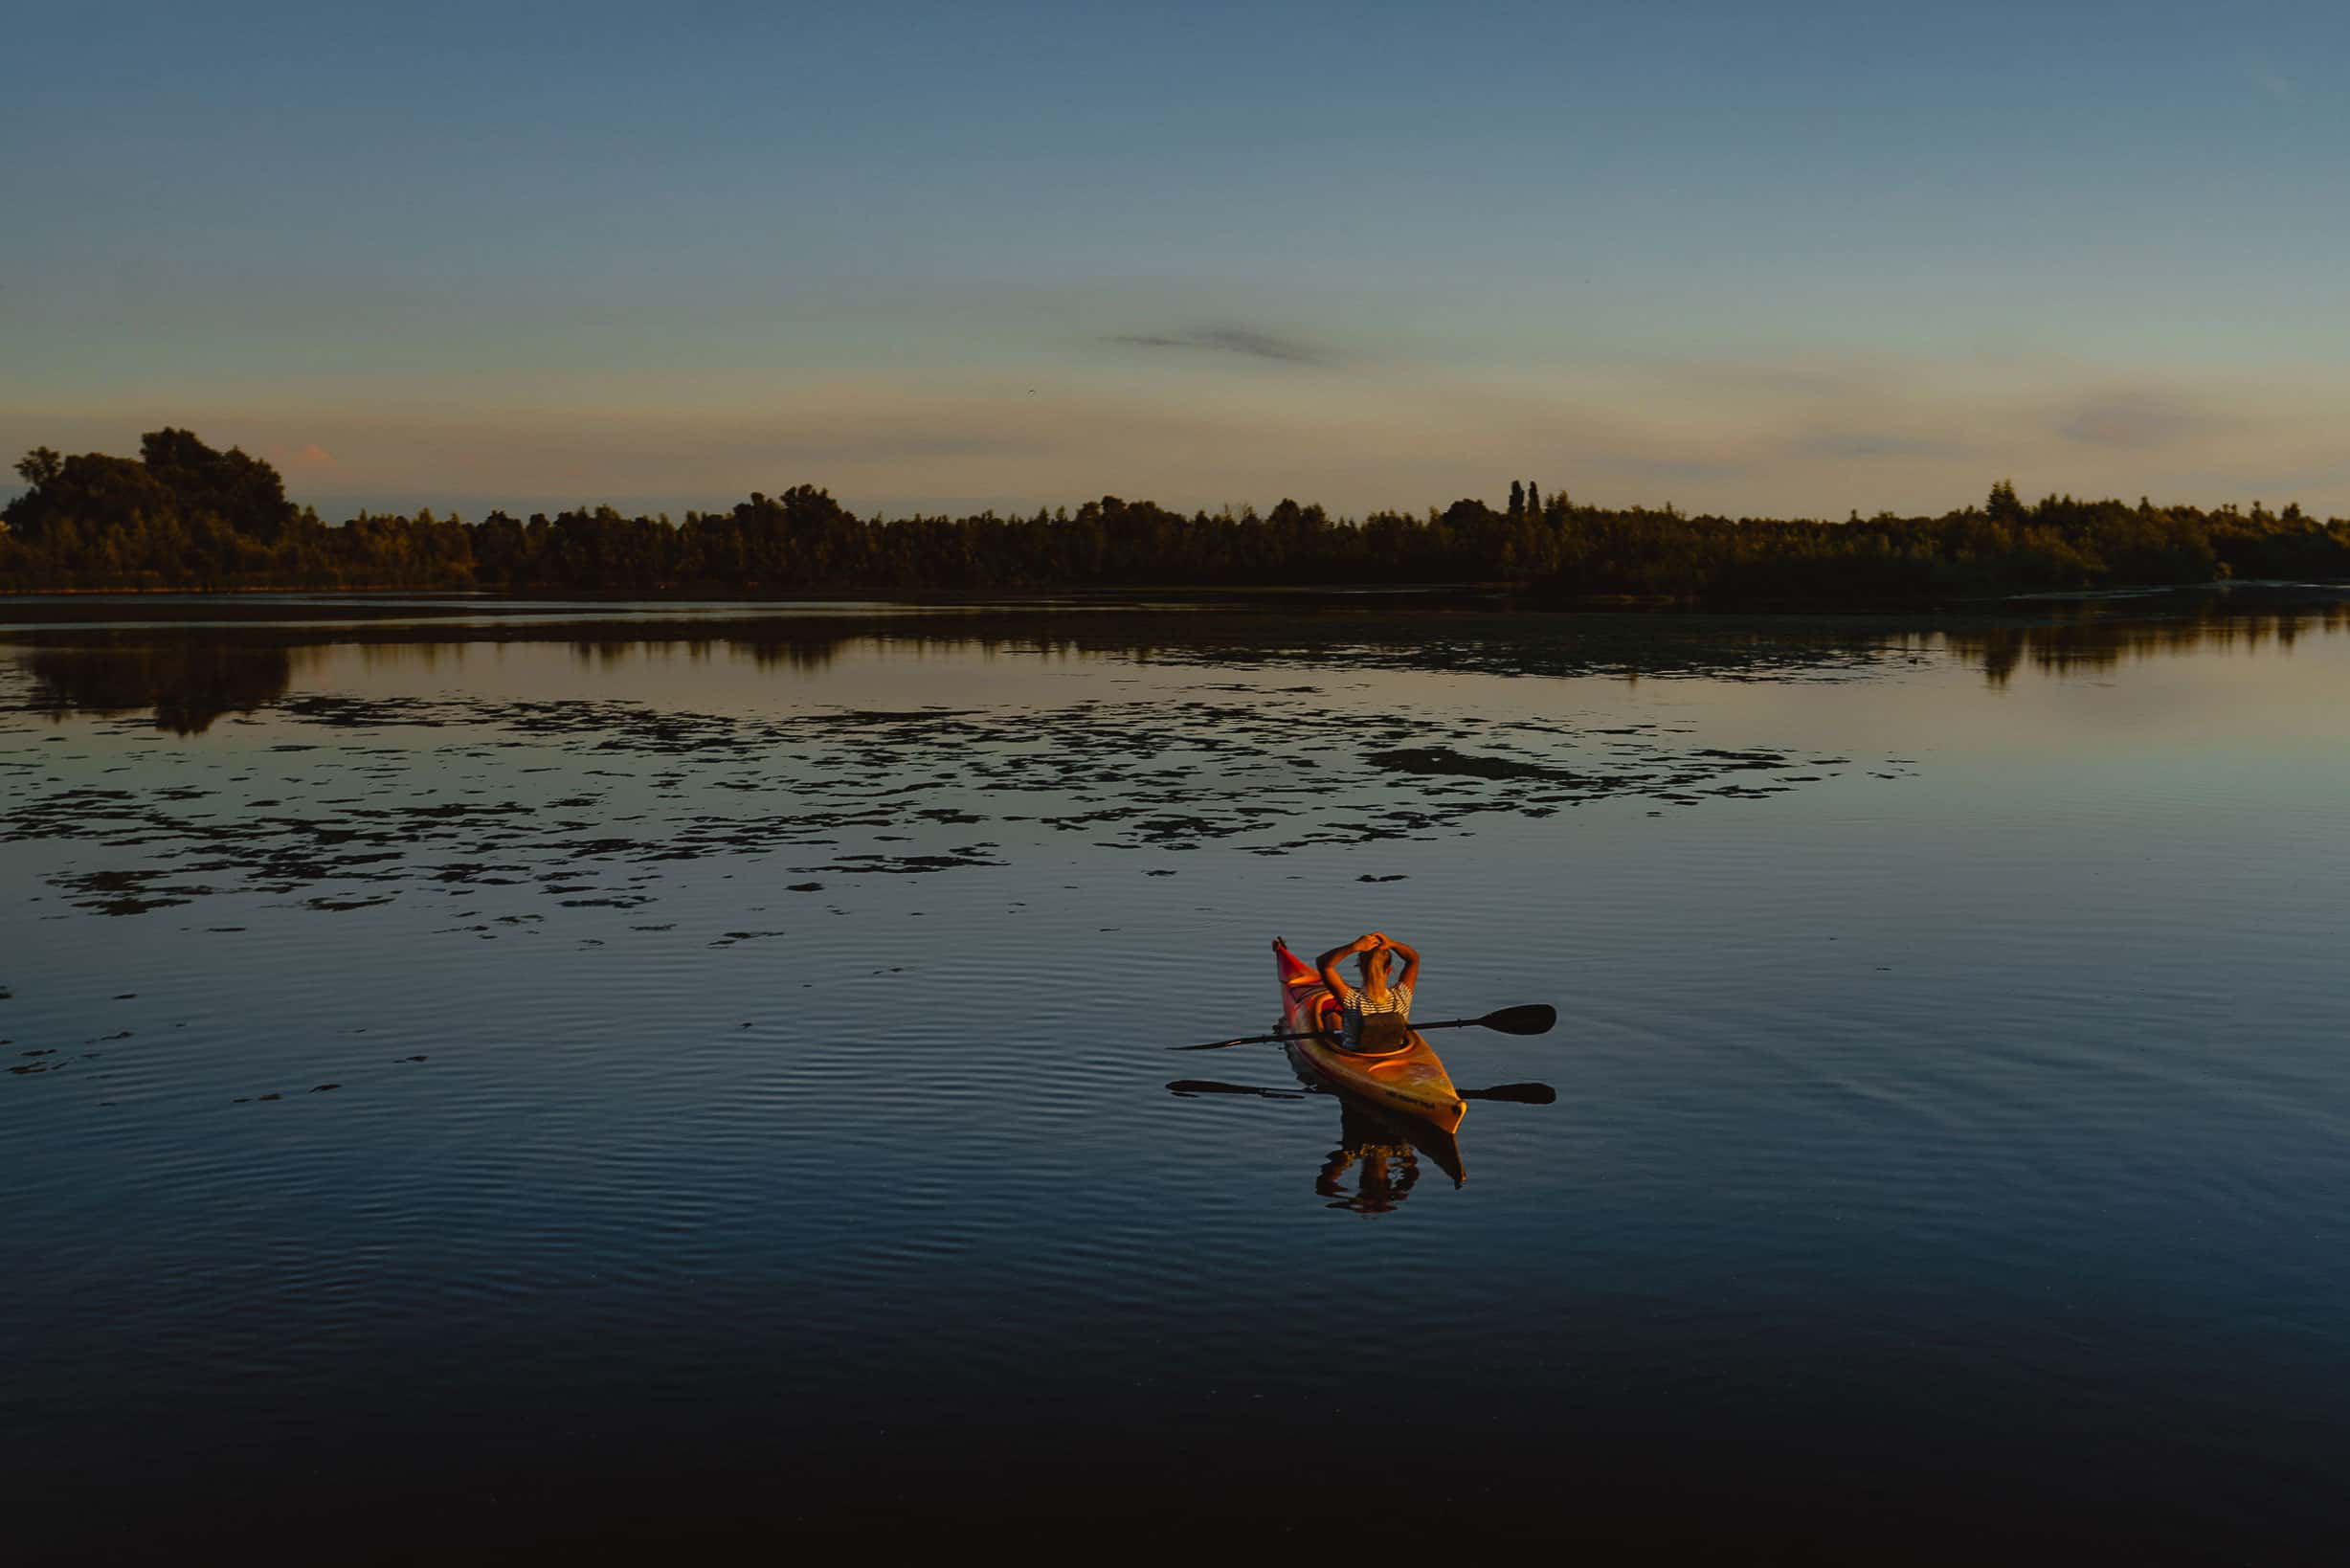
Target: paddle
<point x="1524" y="1094"/>
<point x="1533" y="1018"/>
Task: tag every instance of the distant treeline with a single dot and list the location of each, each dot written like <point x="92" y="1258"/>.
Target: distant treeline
<point x="184" y="516"/>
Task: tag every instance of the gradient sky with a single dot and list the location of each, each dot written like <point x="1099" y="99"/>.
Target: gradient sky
<point x="1788" y="260"/>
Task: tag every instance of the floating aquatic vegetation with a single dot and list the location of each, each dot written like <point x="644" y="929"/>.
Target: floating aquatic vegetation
<point x="588" y="800"/>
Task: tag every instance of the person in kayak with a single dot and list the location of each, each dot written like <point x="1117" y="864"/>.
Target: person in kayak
<point x="1373" y="1015"/>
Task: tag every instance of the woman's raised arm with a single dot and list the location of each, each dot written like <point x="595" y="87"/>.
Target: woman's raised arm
<point x="1328" y="963"/>
<point x="1411" y="965"/>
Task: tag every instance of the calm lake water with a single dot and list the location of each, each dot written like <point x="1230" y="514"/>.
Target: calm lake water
<point x="486" y="1075"/>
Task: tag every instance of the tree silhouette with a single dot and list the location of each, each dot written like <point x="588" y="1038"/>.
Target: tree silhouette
<point x="183" y="515"/>
<point x="2003" y="506"/>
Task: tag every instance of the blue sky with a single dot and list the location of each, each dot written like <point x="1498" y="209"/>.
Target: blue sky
<point x="1783" y="259"/>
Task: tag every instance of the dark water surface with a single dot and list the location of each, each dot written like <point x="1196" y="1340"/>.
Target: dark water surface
<point x="486" y="1077"/>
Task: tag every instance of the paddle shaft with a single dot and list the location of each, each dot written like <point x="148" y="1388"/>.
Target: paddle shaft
<point x="1532" y="1019"/>
<point x="1526" y="1094"/>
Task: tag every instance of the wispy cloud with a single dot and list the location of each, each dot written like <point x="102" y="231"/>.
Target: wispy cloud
<point x="1860" y="445"/>
<point x="2271" y="82"/>
<point x="308" y="458"/>
<point x="2130" y="420"/>
<point x="1247" y="341"/>
<point x="1698" y="469"/>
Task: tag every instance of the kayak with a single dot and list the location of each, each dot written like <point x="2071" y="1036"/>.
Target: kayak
<point x="1409" y="1080"/>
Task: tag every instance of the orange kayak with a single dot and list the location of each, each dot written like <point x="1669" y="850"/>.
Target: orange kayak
<point x="1409" y="1080"/>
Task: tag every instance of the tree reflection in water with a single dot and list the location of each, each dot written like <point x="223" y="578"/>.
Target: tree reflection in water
<point x="191" y="679"/>
<point x="187" y="683"/>
<point x="2095" y="636"/>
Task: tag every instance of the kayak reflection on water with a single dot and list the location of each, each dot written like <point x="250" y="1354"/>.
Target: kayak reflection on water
<point x="1386" y="1151"/>
<point x="1386" y="1160"/>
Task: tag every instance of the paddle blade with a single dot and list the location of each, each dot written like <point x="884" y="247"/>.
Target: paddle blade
<point x="1533" y="1018"/>
<point x="1524" y="1094"/>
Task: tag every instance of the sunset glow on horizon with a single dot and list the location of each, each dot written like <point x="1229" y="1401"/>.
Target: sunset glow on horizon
<point x="938" y="259"/>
